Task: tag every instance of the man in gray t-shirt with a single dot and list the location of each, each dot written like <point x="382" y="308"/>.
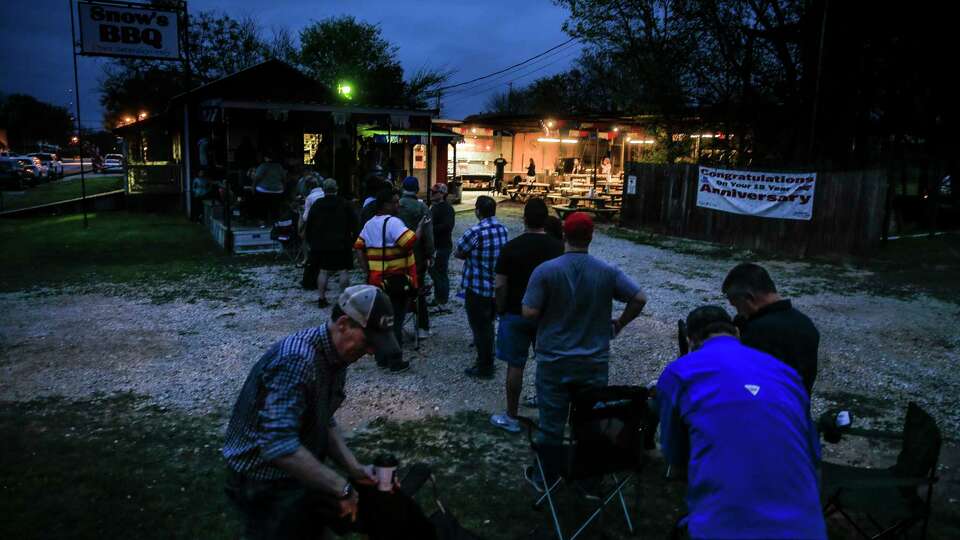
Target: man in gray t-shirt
<point x="571" y="298"/>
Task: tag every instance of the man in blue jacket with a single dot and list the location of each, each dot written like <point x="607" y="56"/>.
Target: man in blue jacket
<point x="737" y="421"/>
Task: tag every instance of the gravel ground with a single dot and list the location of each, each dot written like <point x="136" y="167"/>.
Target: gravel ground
<point x="194" y="355"/>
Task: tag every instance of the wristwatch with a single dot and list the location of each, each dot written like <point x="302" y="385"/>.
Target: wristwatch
<point x="347" y="491"/>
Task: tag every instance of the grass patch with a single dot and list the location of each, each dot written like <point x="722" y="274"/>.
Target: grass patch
<point x="60" y="190"/>
<point x="117" y="467"/>
<point x="162" y="255"/>
<point x="910" y="265"/>
<point x="110" y="468"/>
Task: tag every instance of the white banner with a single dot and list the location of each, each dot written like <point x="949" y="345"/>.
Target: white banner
<point x="764" y="194"/>
<point x="128" y="31"/>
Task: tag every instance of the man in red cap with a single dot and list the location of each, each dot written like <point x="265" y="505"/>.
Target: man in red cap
<point x="571" y="298"/>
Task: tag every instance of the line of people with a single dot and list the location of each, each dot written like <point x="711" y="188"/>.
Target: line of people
<point x="734" y="412"/>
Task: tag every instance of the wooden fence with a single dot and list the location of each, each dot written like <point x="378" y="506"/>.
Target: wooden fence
<point x="848" y="213"/>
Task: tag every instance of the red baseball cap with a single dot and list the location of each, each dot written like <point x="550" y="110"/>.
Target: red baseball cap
<point x="578" y="225"/>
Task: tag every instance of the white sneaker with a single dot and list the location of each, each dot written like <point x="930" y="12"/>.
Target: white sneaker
<point x="423" y="334"/>
<point x="504" y="421"/>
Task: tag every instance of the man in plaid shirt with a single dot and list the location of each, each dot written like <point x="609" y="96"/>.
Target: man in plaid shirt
<point x="282" y="426"/>
<point x="479" y="247"/>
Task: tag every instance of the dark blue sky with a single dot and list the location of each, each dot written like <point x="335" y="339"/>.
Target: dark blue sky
<point x="474" y="38"/>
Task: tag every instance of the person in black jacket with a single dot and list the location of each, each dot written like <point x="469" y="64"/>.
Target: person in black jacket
<point x="771" y="324"/>
<point x="444" y="219"/>
<point x="332" y="226"/>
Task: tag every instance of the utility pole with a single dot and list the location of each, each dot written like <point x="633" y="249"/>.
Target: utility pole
<point x="76" y="86"/>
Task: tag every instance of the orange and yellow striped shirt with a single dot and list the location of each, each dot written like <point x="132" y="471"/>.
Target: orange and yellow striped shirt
<point x="389" y="250"/>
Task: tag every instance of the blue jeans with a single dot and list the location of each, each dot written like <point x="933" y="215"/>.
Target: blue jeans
<point x="514" y="338"/>
<point x="557" y="382"/>
<point x="481" y="312"/>
<point x="440" y="275"/>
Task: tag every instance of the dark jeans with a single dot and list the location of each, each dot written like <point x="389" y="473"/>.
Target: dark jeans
<point x="440" y="275"/>
<point x="285" y="510"/>
<point x="270" y="206"/>
<point x="557" y="383"/>
<point x="423" y="316"/>
<point x="310" y="272"/>
<point x="399" y="303"/>
<point x="481" y="312"/>
<point x="282" y="509"/>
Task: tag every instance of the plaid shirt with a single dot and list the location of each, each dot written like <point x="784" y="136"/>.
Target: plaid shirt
<point x="288" y="401"/>
<point x="481" y="244"/>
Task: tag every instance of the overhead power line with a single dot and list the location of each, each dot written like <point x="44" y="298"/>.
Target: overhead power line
<point x="487" y="87"/>
<point x="507" y="68"/>
<point x="543" y="60"/>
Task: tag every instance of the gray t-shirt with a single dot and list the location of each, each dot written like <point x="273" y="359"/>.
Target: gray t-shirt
<point x="574" y="294"/>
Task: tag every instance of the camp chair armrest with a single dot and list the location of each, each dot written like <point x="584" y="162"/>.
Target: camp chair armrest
<point x="893" y="482"/>
<point x="873" y="434"/>
<point x="532" y="427"/>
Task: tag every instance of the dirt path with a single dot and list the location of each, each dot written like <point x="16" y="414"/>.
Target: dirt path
<point x="877" y="352"/>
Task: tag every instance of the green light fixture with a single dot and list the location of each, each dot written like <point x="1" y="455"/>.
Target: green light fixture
<point x="345" y="90"/>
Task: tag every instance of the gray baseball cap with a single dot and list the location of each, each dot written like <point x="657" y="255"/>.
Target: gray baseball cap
<point x="369" y="307"/>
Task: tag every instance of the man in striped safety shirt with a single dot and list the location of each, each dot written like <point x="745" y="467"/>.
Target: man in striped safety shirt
<point x="385" y="250"/>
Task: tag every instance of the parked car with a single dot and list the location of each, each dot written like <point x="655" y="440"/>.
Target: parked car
<point x="52" y="162"/>
<point x="31" y="168"/>
<point x="12" y="175"/>
<point x="113" y="163"/>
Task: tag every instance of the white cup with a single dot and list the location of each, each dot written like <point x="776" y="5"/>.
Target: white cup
<point x="385" y="477"/>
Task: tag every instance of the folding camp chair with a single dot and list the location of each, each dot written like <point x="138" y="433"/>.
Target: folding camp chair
<point x="608" y="429"/>
<point x="446" y="525"/>
<point x="890" y="498"/>
<point x="285" y="232"/>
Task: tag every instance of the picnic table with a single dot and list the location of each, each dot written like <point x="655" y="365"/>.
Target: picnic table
<point x="592" y="205"/>
<point x="526" y="189"/>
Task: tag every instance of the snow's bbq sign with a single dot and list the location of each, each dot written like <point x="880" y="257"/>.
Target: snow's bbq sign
<point x="763" y="194"/>
<point x="108" y="29"/>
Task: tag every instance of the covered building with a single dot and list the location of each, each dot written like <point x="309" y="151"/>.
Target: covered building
<point x="564" y="144"/>
<point x="227" y="126"/>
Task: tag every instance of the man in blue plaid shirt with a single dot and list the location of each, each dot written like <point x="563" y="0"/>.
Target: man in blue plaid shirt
<point x="479" y="247"/>
<point x="282" y="426"/>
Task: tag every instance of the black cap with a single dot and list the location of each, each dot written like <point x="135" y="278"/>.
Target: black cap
<point x="369" y="307"/>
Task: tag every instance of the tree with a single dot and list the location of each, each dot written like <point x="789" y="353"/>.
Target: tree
<point x="645" y="42"/>
<point x="29" y="121"/>
<point x="593" y="86"/>
<point x="219" y="46"/>
<point x="340" y="50"/>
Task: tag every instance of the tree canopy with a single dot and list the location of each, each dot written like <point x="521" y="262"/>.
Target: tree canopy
<point x="809" y="80"/>
<point x="29" y="121"/>
<point x="344" y="50"/>
<point x="331" y="50"/>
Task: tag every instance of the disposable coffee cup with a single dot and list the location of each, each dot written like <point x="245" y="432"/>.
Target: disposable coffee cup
<point x="386" y="468"/>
